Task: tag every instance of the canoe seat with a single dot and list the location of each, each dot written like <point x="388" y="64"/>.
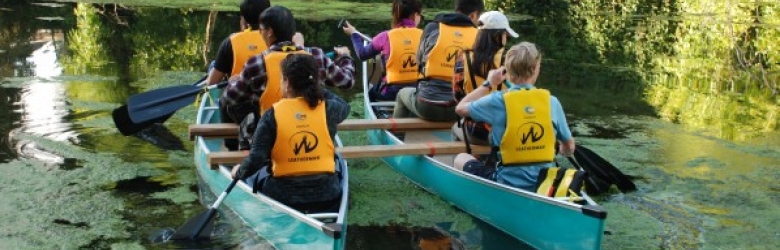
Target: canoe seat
<point x="368" y="151"/>
<point x="230" y="130"/>
<point x="383" y="104"/>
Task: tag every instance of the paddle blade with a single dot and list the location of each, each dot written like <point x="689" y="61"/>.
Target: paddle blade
<point x="605" y="169"/>
<point x="125" y="124"/>
<point x="197" y="228"/>
<point x="161" y="102"/>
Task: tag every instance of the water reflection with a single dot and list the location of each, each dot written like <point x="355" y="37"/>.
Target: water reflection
<point x="701" y="187"/>
<point x="42" y="103"/>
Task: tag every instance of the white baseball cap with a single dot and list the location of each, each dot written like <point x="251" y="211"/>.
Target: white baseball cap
<point x="496" y="20"/>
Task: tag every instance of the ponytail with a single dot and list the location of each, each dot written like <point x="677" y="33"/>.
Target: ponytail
<point x="302" y="74"/>
<point x="405" y="9"/>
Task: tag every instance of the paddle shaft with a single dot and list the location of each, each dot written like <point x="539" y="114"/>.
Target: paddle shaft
<point x="177" y="96"/>
<point x="213" y="209"/>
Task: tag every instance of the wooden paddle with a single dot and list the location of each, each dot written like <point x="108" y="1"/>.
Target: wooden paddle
<point x="200" y="226"/>
<point x="126" y="126"/>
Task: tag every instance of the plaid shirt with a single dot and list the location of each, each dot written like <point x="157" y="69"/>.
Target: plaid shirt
<point x="251" y="82"/>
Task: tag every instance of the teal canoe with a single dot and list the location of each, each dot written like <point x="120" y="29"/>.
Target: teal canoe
<point x="541" y="222"/>
<point x="282" y="226"/>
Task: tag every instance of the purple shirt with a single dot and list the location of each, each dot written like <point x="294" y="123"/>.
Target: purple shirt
<point x="380" y="43"/>
<point x="251" y="83"/>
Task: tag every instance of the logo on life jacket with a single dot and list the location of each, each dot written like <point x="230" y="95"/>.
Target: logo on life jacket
<point x="304" y="140"/>
<point x="451" y="53"/>
<point x="252" y="47"/>
<point x="529" y="110"/>
<point x="409" y="60"/>
<point x="458" y="34"/>
<point x="300" y="116"/>
<point x="407" y="42"/>
<point x="534" y="131"/>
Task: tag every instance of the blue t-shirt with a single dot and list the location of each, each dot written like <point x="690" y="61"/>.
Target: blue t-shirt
<point x="492" y="110"/>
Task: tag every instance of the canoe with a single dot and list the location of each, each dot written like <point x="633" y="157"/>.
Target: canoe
<point x="282" y="226"/>
<point x="539" y="221"/>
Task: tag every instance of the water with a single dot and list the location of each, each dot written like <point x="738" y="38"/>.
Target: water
<point x="644" y="84"/>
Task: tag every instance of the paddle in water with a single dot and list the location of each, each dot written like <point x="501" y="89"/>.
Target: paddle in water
<point x="602" y="174"/>
<point x="200" y="226"/>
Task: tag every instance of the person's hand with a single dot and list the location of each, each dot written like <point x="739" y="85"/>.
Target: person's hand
<point x="234" y="171"/>
<point x="297" y="39"/>
<point x="348" y="28"/>
<point x="341" y="51"/>
<point x="496" y="76"/>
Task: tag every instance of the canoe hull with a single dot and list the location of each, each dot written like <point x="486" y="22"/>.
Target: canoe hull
<point x="541" y="222"/>
<point x="281" y="226"/>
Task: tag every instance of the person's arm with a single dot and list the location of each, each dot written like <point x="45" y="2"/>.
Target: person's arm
<point x="562" y="131"/>
<point x="339" y="72"/>
<point x="223" y="64"/>
<point x="262" y="142"/>
<point x="249" y="81"/>
<point x="495" y="77"/>
<point x="363" y="52"/>
<point x="337" y="108"/>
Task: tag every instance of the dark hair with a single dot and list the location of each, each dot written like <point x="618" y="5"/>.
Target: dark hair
<point x="280" y="19"/>
<point x="486" y="46"/>
<point x="467" y="6"/>
<point x="250" y="10"/>
<point x="405" y="9"/>
<point x="302" y="74"/>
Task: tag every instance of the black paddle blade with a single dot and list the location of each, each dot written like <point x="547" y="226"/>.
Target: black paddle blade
<point x="161" y="102"/>
<point x="595" y="184"/>
<point x="197" y="228"/>
<point x="126" y="126"/>
<point x="606" y="170"/>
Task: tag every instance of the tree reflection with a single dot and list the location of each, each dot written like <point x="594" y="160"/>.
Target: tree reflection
<point x="697" y="51"/>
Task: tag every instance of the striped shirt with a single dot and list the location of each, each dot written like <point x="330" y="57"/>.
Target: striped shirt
<point x="251" y="82"/>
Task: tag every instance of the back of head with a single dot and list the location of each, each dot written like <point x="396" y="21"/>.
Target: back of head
<point x="469" y="6"/>
<point x="487" y="44"/>
<point x="405" y="9"/>
<point x="521" y="61"/>
<point x="280" y="19"/>
<point x="302" y="74"/>
<point x="251" y="9"/>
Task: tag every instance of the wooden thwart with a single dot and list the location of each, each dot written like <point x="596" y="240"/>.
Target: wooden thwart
<point x="349" y="152"/>
<point x="229" y="130"/>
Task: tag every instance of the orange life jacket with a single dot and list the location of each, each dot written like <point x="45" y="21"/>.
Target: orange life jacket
<point x="402" y="62"/>
<point x="440" y="62"/>
<point x="246" y="44"/>
<point x="273" y="69"/>
<point x="471" y="80"/>
<point x="303" y="145"/>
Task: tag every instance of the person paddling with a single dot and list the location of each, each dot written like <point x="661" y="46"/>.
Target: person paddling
<point x="292" y="157"/>
<point x="398" y="47"/>
<point x="257" y="87"/>
<point x="442" y="40"/>
<point x="525" y="121"/>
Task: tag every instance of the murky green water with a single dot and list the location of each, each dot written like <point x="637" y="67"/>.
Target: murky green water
<point x="677" y="94"/>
